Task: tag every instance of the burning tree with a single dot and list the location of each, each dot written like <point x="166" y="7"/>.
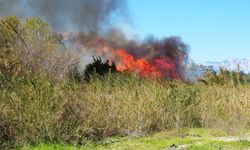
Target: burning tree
<point x="165" y="59"/>
<point x="98" y="67"/>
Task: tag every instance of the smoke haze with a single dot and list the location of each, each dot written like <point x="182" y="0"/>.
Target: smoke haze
<point x="67" y="15"/>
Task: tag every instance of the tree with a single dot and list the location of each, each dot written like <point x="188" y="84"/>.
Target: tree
<point x="34" y="46"/>
<point x="10" y="35"/>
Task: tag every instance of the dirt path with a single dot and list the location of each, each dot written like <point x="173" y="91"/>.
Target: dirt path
<point x="232" y="138"/>
<point x="222" y="139"/>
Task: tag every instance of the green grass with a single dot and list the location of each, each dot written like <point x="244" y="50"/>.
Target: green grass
<point x="191" y="139"/>
<point x="153" y="144"/>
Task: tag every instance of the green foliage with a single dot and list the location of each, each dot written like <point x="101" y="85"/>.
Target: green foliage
<point x="31" y="47"/>
<point x="224" y="77"/>
<point x="10" y="32"/>
<point x="41" y="35"/>
<point x="9" y="28"/>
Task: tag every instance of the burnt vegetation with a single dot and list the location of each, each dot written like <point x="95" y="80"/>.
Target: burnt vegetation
<point x="98" y="68"/>
<point x="95" y="69"/>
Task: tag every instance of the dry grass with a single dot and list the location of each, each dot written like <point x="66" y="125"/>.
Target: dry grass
<point x="37" y="109"/>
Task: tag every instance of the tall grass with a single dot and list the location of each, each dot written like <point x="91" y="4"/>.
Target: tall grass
<point x="36" y="108"/>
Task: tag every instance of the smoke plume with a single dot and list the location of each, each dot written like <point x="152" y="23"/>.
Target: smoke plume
<point x="66" y="15"/>
<point x="93" y="19"/>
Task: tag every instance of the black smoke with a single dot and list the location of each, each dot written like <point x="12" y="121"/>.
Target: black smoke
<point x="67" y="15"/>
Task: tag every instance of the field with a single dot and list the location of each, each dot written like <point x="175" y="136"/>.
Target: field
<point x="42" y="102"/>
<point x="192" y="139"/>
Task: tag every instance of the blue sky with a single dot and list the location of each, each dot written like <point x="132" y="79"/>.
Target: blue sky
<point x="215" y="29"/>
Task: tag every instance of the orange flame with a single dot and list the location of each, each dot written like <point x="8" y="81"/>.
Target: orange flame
<point x="164" y="59"/>
<point x="160" y="67"/>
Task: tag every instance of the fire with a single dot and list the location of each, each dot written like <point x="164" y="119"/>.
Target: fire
<point x="160" y="67"/>
<point x="167" y="67"/>
<point x="164" y="58"/>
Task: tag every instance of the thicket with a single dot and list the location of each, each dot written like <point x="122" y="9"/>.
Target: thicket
<point x="40" y="102"/>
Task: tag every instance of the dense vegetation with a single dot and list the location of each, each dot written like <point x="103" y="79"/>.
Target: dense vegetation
<point x="42" y="99"/>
